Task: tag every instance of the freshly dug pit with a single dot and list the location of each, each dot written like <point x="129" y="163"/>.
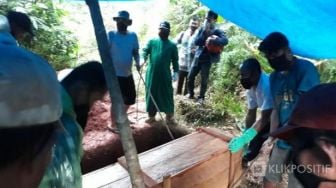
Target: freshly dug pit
<point x="103" y="147"/>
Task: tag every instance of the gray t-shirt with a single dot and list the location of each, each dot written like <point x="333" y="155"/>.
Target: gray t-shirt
<point x="123" y="47"/>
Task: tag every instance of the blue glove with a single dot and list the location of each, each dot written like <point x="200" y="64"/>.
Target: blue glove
<point x="175" y="76"/>
<point x="239" y="142"/>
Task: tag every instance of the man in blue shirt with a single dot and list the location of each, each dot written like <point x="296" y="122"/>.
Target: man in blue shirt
<point x="124" y="47"/>
<point x="203" y="57"/>
<point x="291" y="78"/>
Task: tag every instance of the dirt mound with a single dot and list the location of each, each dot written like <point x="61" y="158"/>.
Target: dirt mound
<point x="102" y="147"/>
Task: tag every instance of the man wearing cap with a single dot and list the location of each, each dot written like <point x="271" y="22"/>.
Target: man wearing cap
<point x="20" y="24"/>
<point x="258" y="95"/>
<point x="203" y="58"/>
<point x="124" y="47"/>
<point x="291" y="78"/>
<point x="311" y="131"/>
<point x="30" y="109"/>
<point x="186" y="55"/>
<point x="162" y="54"/>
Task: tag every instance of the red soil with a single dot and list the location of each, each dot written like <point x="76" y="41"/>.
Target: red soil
<point x="102" y="147"/>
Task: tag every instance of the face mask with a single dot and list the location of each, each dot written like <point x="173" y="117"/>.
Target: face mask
<point x="163" y="34"/>
<point x="280" y="63"/>
<point x="246" y="83"/>
<point x="121" y="26"/>
<point x="208" y="25"/>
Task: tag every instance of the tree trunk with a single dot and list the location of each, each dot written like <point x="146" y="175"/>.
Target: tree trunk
<point x="118" y="110"/>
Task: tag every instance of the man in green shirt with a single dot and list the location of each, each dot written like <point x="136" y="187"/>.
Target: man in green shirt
<point x="162" y="53"/>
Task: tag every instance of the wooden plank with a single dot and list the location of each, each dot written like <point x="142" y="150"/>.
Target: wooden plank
<point x="107" y="175"/>
<point x="122" y="183"/>
<point x="236" y="170"/>
<point x="212" y="173"/>
<point x="167" y="182"/>
<point x="180" y="157"/>
<point x="149" y="182"/>
<point x="215" y="133"/>
<point x="173" y="148"/>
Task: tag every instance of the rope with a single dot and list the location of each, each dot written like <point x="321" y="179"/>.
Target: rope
<point x="137" y="98"/>
<point x="157" y="107"/>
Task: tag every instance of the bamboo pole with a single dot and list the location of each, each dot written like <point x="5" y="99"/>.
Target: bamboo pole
<point x="118" y="109"/>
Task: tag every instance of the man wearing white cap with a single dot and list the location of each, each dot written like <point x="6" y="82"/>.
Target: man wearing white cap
<point x="30" y="109"/>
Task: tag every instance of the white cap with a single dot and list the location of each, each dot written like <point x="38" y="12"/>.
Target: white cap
<point x="29" y="90"/>
<point x="4" y="25"/>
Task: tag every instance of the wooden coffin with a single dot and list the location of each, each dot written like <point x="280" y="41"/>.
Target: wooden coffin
<point x="197" y="160"/>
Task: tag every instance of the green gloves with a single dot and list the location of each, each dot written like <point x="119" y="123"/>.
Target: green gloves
<point x="239" y="142"/>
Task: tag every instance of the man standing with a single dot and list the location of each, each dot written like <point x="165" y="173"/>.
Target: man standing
<point x="291" y="78"/>
<point x="124" y="47"/>
<point x="258" y="95"/>
<point x="203" y="57"/>
<point x="186" y="55"/>
<point x="162" y="53"/>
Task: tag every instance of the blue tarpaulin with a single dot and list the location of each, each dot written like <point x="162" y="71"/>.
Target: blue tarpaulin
<point x="310" y="25"/>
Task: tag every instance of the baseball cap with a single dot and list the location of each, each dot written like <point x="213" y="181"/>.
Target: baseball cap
<point x="273" y="42"/>
<point x="315" y="110"/>
<point x="211" y="15"/>
<point x="21" y="20"/>
<point x="164" y="25"/>
<point x="29" y="90"/>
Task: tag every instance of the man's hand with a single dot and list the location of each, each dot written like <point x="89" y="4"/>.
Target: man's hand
<point x="239" y="142"/>
<point x="175" y="76"/>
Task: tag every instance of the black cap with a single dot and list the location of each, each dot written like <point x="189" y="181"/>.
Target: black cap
<point x="164" y="25"/>
<point x="273" y="42"/>
<point x="212" y="14"/>
<point x="21" y="20"/>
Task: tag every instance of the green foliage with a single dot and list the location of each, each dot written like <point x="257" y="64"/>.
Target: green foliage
<point x="181" y="11"/>
<point x="52" y="40"/>
<point x="225" y="87"/>
<point x="327" y="71"/>
<point x="196" y="114"/>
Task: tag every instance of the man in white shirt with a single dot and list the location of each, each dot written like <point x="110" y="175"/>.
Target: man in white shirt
<point x="258" y="95"/>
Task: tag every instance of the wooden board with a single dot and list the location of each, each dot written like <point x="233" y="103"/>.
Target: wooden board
<point x="177" y="155"/>
<point x="198" y="160"/>
<point x="112" y="176"/>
